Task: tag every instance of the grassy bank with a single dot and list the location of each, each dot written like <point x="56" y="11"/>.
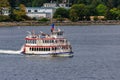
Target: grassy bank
<point x="36" y="23"/>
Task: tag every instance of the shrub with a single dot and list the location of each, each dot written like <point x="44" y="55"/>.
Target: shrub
<point x="60" y="19"/>
<point x="96" y="18"/>
<point x="43" y="20"/>
<point x="4" y="18"/>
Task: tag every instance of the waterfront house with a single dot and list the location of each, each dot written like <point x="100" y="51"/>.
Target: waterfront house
<point x="46" y="11"/>
<point x="50" y="5"/>
<point x="92" y="18"/>
<point x="40" y="12"/>
<point x="5" y="11"/>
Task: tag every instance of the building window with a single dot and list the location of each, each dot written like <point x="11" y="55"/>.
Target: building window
<point x="29" y="10"/>
<point x="35" y="11"/>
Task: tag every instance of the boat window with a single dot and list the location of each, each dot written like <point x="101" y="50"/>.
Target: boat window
<point x="52" y="48"/>
<point x="34" y="41"/>
<point x="30" y="48"/>
<point x="50" y="41"/>
<point x="41" y="49"/>
<point x="43" y="41"/>
<point x="55" y="48"/>
<point x="26" y="41"/>
<point x="48" y="49"/>
<point x="31" y="41"/>
<point x="45" y="49"/>
<point x="46" y="41"/>
<point x="37" y="49"/>
<point x="33" y="49"/>
<point x="60" y="33"/>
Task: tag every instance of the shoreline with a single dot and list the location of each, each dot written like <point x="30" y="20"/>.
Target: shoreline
<point x="36" y="23"/>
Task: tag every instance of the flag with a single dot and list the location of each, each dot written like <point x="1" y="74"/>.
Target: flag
<point x="52" y="27"/>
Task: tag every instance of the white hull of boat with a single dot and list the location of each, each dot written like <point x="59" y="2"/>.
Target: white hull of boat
<point x="63" y="54"/>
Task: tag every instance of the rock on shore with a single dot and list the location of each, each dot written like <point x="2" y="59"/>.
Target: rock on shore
<point x="36" y="23"/>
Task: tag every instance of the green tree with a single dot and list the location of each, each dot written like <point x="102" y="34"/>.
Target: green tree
<point x="115" y="13"/>
<point x="61" y="12"/>
<point x="79" y="12"/>
<point x="73" y="15"/>
<point x="36" y="3"/>
<point x="83" y="11"/>
<point x="108" y="3"/>
<point x="74" y="12"/>
<point x="4" y="18"/>
<point x="4" y="4"/>
<point x="19" y="14"/>
<point x="101" y="9"/>
<point x="43" y="20"/>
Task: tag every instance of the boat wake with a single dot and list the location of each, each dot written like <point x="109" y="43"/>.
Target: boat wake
<point x="11" y="51"/>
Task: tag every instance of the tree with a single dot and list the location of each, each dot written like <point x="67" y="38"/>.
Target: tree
<point x="19" y="14"/>
<point x="79" y="12"/>
<point x="73" y="15"/>
<point x="101" y="9"/>
<point x="115" y="13"/>
<point x="4" y="4"/>
<point x="108" y="3"/>
<point x="36" y="3"/>
<point x="83" y="11"/>
<point x="74" y="12"/>
<point x="4" y="18"/>
<point x="22" y="9"/>
<point x="61" y="12"/>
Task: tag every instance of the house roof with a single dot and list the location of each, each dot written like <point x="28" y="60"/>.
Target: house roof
<point x="40" y="7"/>
<point x="38" y="13"/>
